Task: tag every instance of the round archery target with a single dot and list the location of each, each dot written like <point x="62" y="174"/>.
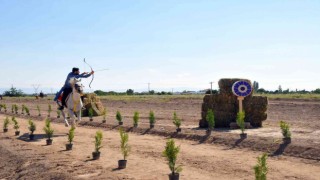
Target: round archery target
<point x="242" y="88"/>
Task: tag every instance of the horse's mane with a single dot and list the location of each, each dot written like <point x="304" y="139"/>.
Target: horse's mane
<point x="73" y="81"/>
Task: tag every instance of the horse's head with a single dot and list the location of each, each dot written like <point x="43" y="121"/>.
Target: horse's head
<point x="76" y="85"/>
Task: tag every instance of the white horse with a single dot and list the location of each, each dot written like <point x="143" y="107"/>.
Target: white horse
<point x="73" y="102"/>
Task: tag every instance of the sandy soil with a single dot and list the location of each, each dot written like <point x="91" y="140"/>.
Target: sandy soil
<point x="21" y="159"/>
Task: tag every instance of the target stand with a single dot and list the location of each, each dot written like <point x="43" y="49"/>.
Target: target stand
<point x="241" y="89"/>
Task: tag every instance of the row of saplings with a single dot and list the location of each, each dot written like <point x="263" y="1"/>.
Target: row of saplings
<point x="136" y="117"/>
<point x="171" y="150"/>
<point x="285" y="128"/>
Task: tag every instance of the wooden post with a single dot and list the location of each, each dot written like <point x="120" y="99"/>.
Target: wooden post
<point x="240" y="99"/>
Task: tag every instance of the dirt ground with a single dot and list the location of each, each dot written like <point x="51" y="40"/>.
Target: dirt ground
<point x="220" y="156"/>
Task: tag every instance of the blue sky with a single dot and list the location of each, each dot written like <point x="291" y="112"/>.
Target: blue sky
<point x="179" y="44"/>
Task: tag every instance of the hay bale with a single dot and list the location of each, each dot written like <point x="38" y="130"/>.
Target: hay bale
<point x="92" y="101"/>
<point x="225" y="106"/>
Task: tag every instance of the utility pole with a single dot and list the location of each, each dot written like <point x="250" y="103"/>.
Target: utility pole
<point x="211" y="87"/>
<point x="36" y="87"/>
<point x="149" y="87"/>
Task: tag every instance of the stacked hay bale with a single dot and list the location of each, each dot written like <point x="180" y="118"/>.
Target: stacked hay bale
<point x="225" y="106"/>
<point x="92" y="101"/>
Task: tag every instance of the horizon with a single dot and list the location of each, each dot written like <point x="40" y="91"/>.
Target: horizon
<point x="181" y="45"/>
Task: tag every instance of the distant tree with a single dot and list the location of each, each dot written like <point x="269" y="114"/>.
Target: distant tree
<point x="152" y="92"/>
<point x="14" y="92"/>
<point x="130" y="92"/>
<point x="279" y="89"/>
<point x="261" y="90"/>
<point x="214" y="91"/>
<point x="100" y="93"/>
<point x="255" y="86"/>
<point x="317" y="91"/>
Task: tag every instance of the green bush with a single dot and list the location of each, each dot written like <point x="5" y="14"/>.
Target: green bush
<point x="15" y="123"/>
<point x="39" y="110"/>
<point x="1" y="106"/>
<point x="210" y="119"/>
<point x="23" y="108"/>
<point x="171" y="153"/>
<point x="6" y="123"/>
<point x="152" y="118"/>
<point x="90" y="112"/>
<point x="136" y="118"/>
<point x="16" y="109"/>
<point x="12" y="108"/>
<point x="27" y="110"/>
<point x="261" y="169"/>
<point x="176" y="120"/>
<point x="98" y="141"/>
<point x="285" y="128"/>
<point x="71" y="135"/>
<point x="240" y="120"/>
<point x="4" y="106"/>
<point x="124" y="139"/>
<point x="47" y="129"/>
<point x="58" y="113"/>
<point x="32" y="126"/>
<point x="118" y="116"/>
<point x="49" y="110"/>
<point x="104" y="113"/>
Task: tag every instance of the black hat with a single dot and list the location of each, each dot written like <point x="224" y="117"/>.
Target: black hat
<point x="75" y="69"/>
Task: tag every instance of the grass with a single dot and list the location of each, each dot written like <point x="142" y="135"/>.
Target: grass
<point x="291" y="96"/>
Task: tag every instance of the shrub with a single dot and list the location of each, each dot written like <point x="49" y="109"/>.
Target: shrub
<point x="4" y="107"/>
<point x="71" y="135"/>
<point x="90" y="112"/>
<point x="118" y="116"/>
<point x="210" y="119"/>
<point x="125" y="148"/>
<point x="1" y="106"/>
<point x="58" y="113"/>
<point x="240" y="120"/>
<point x="6" y="123"/>
<point x="104" y="113"/>
<point x="12" y="108"/>
<point x="47" y="129"/>
<point x="15" y="123"/>
<point x="98" y="141"/>
<point x="16" y="108"/>
<point x="49" y="110"/>
<point x="32" y="126"/>
<point x="23" y="107"/>
<point x="171" y="153"/>
<point x="27" y="110"/>
<point x="152" y="118"/>
<point x="285" y="128"/>
<point x="261" y="169"/>
<point x="176" y="120"/>
<point x="136" y="118"/>
<point x="39" y="110"/>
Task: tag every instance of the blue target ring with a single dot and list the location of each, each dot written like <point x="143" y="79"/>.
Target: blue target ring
<point x="242" y="88"/>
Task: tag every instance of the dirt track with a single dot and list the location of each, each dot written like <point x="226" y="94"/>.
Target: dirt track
<point x="227" y="158"/>
<point x="25" y="159"/>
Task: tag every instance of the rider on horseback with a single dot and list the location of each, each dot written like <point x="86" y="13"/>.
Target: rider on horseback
<point x="67" y="89"/>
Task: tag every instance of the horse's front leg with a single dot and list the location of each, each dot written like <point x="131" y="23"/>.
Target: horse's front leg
<point x="72" y="117"/>
<point x="79" y="116"/>
<point x="65" y="119"/>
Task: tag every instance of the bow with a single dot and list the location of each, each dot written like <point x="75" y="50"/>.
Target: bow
<point x="84" y="60"/>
